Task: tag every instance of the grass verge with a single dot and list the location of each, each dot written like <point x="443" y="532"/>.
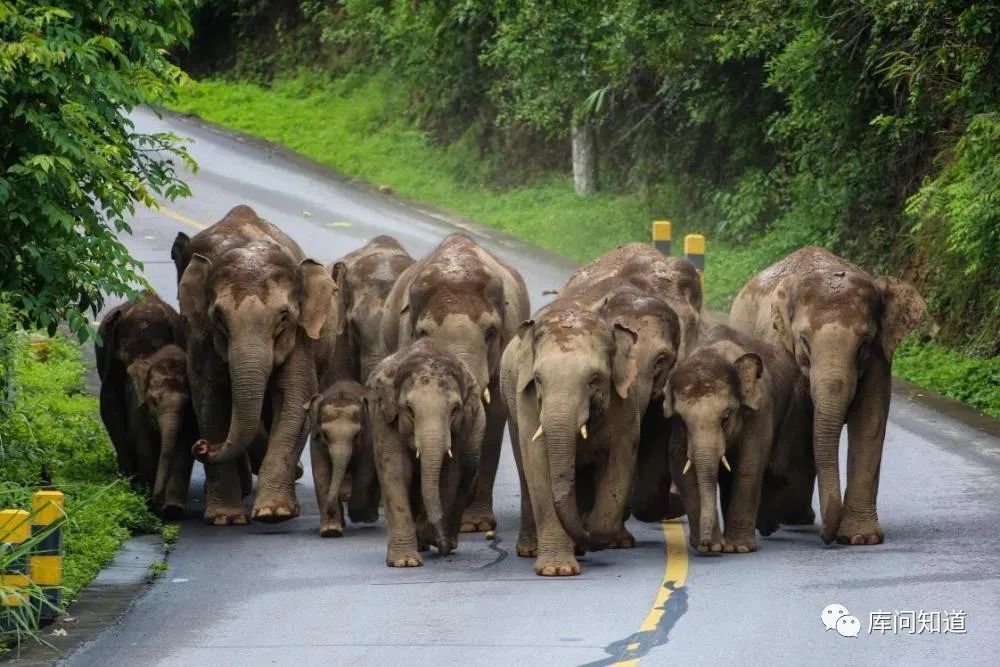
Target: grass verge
<point x="358" y="126"/>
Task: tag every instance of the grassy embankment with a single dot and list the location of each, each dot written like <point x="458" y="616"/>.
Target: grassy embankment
<point x="51" y="436"/>
<point x="355" y="127"/>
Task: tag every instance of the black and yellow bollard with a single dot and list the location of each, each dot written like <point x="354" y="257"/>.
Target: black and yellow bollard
<point x="45" y="565"/>
<point x="15" y="530"/>
<point x="694" y="250"/>
<point x="662" y="236"/>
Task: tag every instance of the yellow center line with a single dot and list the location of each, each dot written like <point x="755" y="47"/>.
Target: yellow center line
<point x="674" y="574"/>
<point x="179" y="217"/>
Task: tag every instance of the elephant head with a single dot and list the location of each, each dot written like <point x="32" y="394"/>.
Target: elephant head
<point x="160" y="384"/>
<point x="431" y="400"/>
<point x="712" y="397"/>
<point x="339" y="418"/>
<point x="257" y="303"/>
<point x="571" y="363"/>
<point x="839" y="324"/>
<point x="135" y="330"/>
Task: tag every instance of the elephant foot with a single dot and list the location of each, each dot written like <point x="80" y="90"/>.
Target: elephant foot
<point x="706" y="548"/>
<point x="622" y="540"/>
<point x="403" y="559"/>
<point x="331" y="529"/>
<point x="275" y="511"/>
<point x="527" y="548"/>
<point x="739" y="545"/>
<point x="557" y="567"/>
<point x="217" y="516"/>
<point x="478" y="521"/>
<point x="857" y="532"/>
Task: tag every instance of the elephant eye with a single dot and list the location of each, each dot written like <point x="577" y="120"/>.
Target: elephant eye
<point x="863" y="351"/>
<point x="726" y="415"/>
<point x="491" y="333"/>
<point x="220" y="320"/>
<point x="595" y="380"/>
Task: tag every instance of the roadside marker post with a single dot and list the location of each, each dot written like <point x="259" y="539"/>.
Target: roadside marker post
<point x="43" y="566"/>
<point x="694" y="250"/>
<point x="662" y="236"/>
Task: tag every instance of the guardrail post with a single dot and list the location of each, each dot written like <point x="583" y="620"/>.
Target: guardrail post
<point x="45" y="565"/>
<point x="662" y="236"/>
<point x="694" y="250"/>
<point x="15" y="530"/>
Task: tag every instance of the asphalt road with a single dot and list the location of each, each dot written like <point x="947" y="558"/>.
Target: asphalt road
<point x="279" y="594"/>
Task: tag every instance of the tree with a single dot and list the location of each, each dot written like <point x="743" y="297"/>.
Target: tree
<point x="72" y="166"/>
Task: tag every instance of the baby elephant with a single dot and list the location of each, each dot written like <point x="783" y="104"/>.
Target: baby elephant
<point x="162" y="427"/>
<point x="340" y="443"/>
<point x="736" y="405"/>
<point x="427" y="426"/>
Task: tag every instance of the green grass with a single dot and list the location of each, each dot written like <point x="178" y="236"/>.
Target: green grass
<point x="358" y="127"/>
<point x="51" y="436"/>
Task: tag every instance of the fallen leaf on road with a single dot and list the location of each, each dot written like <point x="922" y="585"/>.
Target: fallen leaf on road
<point x="307" y="214"/>
<point x="58" y="632"/>
<point x="150" y="238"/>
<point x="179" y="581"/>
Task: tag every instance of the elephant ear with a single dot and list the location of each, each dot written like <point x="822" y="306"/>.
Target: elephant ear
<point x="623" y="367"/>
<point x="383" y="388"/>
<point x="180" y="252"/>
<point x="781" y="320"/>
<point x="749" y="371"/>
<point x="317" y="292"/>
<point x="105" y="351"/>
<point x="338" y="272"/>
<point x="192" y="291"/>
<point x="902" y="310"/>
<point x="138" y="375"/>
<point x="525" y="355"/>
<point x="312" y="411"/>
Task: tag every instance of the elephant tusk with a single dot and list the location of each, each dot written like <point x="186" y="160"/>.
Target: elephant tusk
<point x="486" y="396"/>
<point x="583" y="431"/>
<point x="417" y="449"/>
<point x="450" y="456"/>
<point x="687" y="466"/>
<point x="537" y="435"/>
<point x="725" y="463"/>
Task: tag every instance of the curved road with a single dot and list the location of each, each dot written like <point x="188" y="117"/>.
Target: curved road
<point x="281" y="595"/>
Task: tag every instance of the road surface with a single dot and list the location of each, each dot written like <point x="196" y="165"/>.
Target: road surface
<point x="281" y="595"/>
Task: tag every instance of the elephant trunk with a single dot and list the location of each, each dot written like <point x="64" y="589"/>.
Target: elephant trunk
<point x="169" y="422"/>
<point x="249" y="372"/>
<point x="432" y="442"/>
<point x="831" y="397"/>
<point x="561" y="429"/>
<point x="706" y="465"/>
<point x="340" y="455"/>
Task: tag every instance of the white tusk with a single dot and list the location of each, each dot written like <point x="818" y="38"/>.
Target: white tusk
<point x="583" y="431"/>
<point x="418" y="453"/>
<point x="725" y="463"/>
<point x="449" y="453"/>
<point x="486" y="396"/>
<point x="537" y="435"/>
<point x="687" y="466"/>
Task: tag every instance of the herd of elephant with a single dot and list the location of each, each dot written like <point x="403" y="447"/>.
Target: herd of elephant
<point x="621" y="397"/>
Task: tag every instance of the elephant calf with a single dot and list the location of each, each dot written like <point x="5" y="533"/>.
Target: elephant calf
<point x="428" y="415"/>
<point x="734" y="397"/>
<point x="162" y="427"/>
<point x="340" y="443"/>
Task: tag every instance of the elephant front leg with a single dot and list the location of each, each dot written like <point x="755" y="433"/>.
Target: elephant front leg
<point x="527" y="537"/>
<point x="741" y="514"/>
<point x="606" y="520"/>
<point x="478" y="516"/>
<point x="396" y="477"/>
<point x="866" y="421"/>
<point x="331" y="516"/>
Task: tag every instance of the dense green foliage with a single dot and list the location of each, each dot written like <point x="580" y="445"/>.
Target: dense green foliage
<point x="51" y="436"/>
<point x="972" y="381"/>
<point x="868" y="127"/>
<point x="72" y="166"/>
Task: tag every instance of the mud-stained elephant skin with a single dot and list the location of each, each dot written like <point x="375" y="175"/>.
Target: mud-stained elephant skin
<point x="132" y="331"/>
<point x="262" y="325"/>
<point x="162" y="427"/>
<point x="738" y="410"/>
<point x="471" y="303"/>
<point x="841" y="326"/>
<point x="568" y="382"/>
<point x="365" y="278"/>
<point x="341" y="446"/>
<point x="427" y="428"/>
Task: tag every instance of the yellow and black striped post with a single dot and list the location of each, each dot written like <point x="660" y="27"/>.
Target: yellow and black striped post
<point x="15" y="530"/>
<point x="662" y="236"/>
<point x="45" y="565"/>
<point x="694" y="250"/>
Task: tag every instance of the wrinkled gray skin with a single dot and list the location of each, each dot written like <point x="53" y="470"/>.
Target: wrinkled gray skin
<point x="262" y="324"/>
<point x="734" y="396"/>
<point x="341" y="445"/>
<point x="841" y="326"/>
<point x="365" y="278"/>
<point x="162" y="427"/>
<point x="568" y="382"/>
<point x="132" y="331"/>
<point x="471" y="303"/>
<point x="427" y="426"/>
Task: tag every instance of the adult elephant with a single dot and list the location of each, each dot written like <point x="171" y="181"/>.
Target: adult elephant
<point x="365" y="277"/>
<point x="471" y="303"/>
<point x="841" y="326"/>
<point x="262" y="325"/>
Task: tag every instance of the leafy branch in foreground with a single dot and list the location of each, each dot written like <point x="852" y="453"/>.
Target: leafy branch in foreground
<point x="72" y="164"/>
